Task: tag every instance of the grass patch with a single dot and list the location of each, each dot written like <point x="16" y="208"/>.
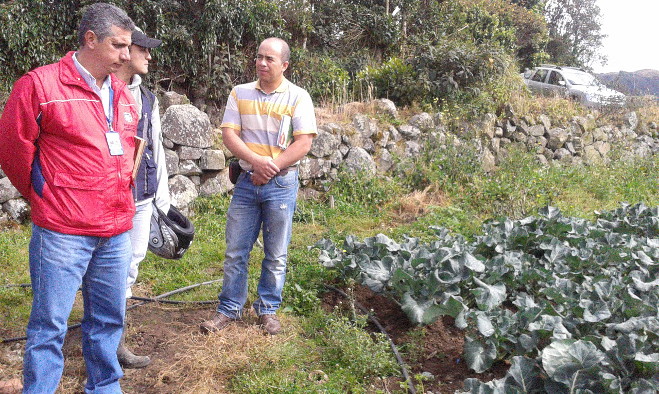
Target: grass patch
<point x="333" y="354"/>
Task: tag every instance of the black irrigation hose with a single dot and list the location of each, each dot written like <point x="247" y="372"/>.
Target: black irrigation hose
<point x="172" y="301"/>
<point x="382" y="330"/>
<point x="144" y="301"/>
<point x="170" y="293"/>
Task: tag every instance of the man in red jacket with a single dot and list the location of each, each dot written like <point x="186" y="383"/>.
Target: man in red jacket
<point x="67" y="143"/>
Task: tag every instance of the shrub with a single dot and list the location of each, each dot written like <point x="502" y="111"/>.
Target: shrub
<point x="320" y="75"/>
<point x="23" y="44"/>
<point x="455" y="69"/>
<point x="394" y="79"/>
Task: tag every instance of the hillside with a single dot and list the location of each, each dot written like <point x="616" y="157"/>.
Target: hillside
<point x="640" y="82"/>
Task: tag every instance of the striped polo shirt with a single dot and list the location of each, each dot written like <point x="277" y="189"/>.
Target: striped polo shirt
<point x="257" y="115"/>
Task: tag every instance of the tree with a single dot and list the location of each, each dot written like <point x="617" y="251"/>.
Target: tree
<point x="574" y="31"/>
<point x="526" y="3"/>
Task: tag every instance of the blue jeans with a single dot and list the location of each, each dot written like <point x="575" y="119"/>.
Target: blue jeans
<point x="59" y="264"/>
<point x="271" y="208"/>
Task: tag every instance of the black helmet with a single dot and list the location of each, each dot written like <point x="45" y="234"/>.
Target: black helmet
<point x="171" y="234"/>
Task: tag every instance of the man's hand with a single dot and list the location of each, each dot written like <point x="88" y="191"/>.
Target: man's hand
<point x="263" y="167"/>
<point x="259" y="180"/>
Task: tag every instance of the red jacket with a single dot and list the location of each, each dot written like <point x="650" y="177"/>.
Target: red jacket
<point x="54" y="150"/>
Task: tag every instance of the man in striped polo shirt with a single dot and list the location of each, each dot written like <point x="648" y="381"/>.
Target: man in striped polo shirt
<point x="269" y="125"/>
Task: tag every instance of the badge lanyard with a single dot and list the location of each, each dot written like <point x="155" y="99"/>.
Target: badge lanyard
<point x="112" y="137"/>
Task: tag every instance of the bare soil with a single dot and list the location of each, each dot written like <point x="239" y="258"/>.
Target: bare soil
<point x="171" y="334"/>
<point x="435" y="349"/>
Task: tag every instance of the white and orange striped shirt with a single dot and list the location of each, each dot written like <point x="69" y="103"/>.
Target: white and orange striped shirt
<point x="256" y="116"/>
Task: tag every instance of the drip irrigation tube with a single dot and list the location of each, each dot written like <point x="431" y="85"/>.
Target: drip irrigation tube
<point x="144" y="301"/>
<point x="375" y="321"/>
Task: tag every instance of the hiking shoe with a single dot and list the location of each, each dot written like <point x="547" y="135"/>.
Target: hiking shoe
<point x="270" y="324"/>
<point x="217" y="323"/>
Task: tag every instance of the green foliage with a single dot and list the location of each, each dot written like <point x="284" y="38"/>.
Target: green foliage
<point x="394" y="79"/>
<point x="575" y="32"/>
<point x="582" y="295"/>
<point x="23" y="44"/>
<point x="337" y="356"/>
<point x="345" y="343"/>
<point x="15" y="302"/>
<point x="345" y="25"/>
<point x="454" y="70"/>
<point x="320" y="75"/>
<point x="208" y="46"/>
<point x="448" y="165"/>
<point x="358" y="191"/>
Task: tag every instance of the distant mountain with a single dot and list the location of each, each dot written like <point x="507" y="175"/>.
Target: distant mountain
<point x="635" y="83"/>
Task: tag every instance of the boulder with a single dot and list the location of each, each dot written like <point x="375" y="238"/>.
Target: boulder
<point x="182" y="192"/>
<point x="557" y="138"/>
<point x="537" y="130"/>
<point x="365" y="126"/>
<point x="591" y="155"/>
<point x="631" y="120"/>
<point x="385" y="106"/>
<point x="601" y="133"/>
<point x="171" y="161"/>
<point x="325" y="143"/>
<point x="409" y="132"/>
<point x="488" y="161"/>
<point x="212" y="160"/>
<point x="546" y="122"/>
<point x="188" y="153"/>
<point x="412" y="149"/>
<point x="358" y="160"/>
<point x="18" y="209"/>
<point x="384" y="162"/>
<point x="187" y="125"/>
<point x="7" y="191"/>
<point x="422" y="121"/>
<point x="312" y="168"/>
<point x="216" y="184"/>
<point x="488" y="125"/>
<point x="188" y="168"/>
<point x="168" y="99"/>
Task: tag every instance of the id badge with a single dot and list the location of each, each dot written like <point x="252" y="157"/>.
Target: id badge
<point x="114" y="143"/>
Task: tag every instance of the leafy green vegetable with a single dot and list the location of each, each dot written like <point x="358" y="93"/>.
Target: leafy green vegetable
<point x="572" y="302"/>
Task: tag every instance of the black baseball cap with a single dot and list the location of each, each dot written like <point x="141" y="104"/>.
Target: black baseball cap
<point x="138" y="37"/>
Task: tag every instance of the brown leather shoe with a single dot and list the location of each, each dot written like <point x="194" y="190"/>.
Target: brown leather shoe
<point x="217" y="323"/>
<point x="270" y="324"/>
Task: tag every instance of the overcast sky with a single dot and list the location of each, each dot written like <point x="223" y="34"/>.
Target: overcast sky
<point x="632" y="27"/>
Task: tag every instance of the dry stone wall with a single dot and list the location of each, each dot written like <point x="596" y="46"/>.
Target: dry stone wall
<point x="197" y="161"/>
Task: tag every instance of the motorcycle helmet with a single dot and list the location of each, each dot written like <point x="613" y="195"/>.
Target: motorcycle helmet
<point x="171" y="234"/>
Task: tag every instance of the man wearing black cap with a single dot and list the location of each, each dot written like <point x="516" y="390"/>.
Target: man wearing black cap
<point x="151" y="179"/>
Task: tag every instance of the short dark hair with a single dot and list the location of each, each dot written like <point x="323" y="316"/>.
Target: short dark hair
<point x="99" y="18"/>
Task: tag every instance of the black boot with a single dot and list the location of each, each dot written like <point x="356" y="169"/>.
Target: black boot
<point x="126" y="358"/>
